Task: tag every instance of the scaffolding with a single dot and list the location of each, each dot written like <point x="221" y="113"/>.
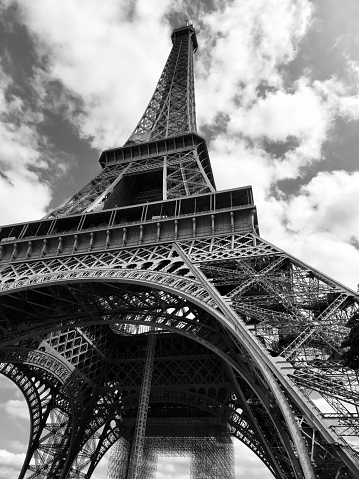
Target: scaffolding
<point x="206" y="441"/>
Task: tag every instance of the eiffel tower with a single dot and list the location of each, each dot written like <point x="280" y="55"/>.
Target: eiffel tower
<point x="147" y="316"/>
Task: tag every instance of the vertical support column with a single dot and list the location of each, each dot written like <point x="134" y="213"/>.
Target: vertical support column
<point x="140" y="429"/>
<point x="164" y="180"/>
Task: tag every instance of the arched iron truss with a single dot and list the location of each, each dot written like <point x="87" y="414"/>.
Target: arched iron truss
<point x="55" y="405"/>
<point x="182" y="317"/>
<point x="116" y="428"/>
<point x="121" y="296"/>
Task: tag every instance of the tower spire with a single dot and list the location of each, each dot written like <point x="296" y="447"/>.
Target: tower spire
<point x="164" y="158"/>
<point x="171" y="110"/>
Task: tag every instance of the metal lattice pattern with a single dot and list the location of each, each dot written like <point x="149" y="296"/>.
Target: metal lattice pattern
<point x="185" y="176"/>
<point x="91" y="196"/>
<point x="272" y="293"/>
<point x="54" y="399"/>
<point x="137" y="449"/>
<point x="171" y="110"/>
<point x="206" y="442"/>
<point x="117" y="466"/>
<point x="116" y="429"/>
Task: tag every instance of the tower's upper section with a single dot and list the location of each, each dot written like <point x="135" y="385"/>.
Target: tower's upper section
<point x="164" y="158"/>
<point x="171" y="110"/>
<point x="158" y="187"/>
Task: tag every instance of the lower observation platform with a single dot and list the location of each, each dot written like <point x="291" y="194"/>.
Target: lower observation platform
<point x="210" y="214"/>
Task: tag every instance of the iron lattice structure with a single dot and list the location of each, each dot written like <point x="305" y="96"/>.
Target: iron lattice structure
<point x="147" y="315"/>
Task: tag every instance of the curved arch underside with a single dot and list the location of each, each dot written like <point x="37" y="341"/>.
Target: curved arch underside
<point x="83" y="332"/>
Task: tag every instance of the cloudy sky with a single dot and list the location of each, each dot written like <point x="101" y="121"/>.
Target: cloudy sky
<point x="277" y="85"/>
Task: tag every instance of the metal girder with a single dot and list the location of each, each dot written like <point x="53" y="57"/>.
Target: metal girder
<point x="137" y="449"/>
<point x="91" y="195"/>
<point x="300" y="300"/>
<point x="55" y="403"/>
<point x="171" y="110"/>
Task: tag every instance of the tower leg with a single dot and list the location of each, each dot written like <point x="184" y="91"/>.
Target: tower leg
<point x="136" y="454"/>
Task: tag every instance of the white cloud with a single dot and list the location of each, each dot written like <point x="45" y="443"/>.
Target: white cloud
<point x="9" y="458"/>
<point x="10" y="464"/>
<point x="317" y="206"/>
<point x="29" y="198"/>
<point x="280" y="115"/>
<point x="342" y="97"/>
<point x="245" y="45"/>
<point x="20" y="159"/>
<point x="321" y="223"/>
<point x="16" y="408"/>
<point x="92" y="59"/>
<point x="178" y="467"/>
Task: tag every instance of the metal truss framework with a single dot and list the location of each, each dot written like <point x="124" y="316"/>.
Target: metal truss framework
<point x="233" y="285"/>
<point x="91" y="195"/>
<point x="171" y="111"/>
<point x="205" y="441"/>
<point x="120" y="324"/>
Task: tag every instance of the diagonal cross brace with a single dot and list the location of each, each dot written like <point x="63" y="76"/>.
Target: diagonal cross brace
<point x="291" y="349"/>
